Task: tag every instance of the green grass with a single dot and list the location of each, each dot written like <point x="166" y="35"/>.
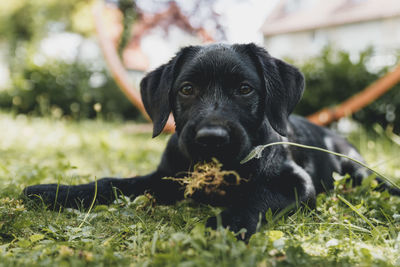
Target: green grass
<point x="349" y="227"/>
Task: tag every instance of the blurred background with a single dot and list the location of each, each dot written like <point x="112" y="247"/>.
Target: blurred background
<point x="52" y="62"/>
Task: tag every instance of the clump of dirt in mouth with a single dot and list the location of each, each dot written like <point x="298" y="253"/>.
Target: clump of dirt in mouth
<point x="209" y="178"/>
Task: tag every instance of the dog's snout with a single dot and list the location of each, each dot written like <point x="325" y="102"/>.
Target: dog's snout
<point x="212" y="136"/>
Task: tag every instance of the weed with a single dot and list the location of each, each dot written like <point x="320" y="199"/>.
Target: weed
<point x="209" y="178"/>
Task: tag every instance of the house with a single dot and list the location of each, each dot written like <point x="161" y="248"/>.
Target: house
<point x="301" y="28"/>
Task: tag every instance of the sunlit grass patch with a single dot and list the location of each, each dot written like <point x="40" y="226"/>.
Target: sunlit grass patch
<point x="48" y="150"/>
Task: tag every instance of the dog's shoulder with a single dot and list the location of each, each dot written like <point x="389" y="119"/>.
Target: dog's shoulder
<point x="300" y="125"/>
<point x="305" y="132"/>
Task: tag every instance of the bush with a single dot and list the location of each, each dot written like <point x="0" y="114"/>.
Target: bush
<point x="81" y="91"/>
<point x="66" y="89"/>
<point x="332" y="77"/>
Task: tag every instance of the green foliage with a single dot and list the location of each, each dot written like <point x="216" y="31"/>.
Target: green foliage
<point x="141" y="233"/>
<point x="57" y="88"/>
<point x="24" y="22"/>
<point x="332" y="77"/>
<point x="63" y="89"/>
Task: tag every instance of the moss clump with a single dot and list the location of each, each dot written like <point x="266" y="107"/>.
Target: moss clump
<point x="209" y="178"/>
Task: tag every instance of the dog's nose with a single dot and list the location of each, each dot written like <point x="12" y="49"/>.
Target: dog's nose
<point x="212" y="136"/>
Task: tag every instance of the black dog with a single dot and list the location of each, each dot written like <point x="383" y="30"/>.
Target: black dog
<point x="227" y="99"/>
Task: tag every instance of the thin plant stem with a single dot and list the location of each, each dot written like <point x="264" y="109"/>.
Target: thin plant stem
<point x="256" y="153"/>
<point x="91" y="205"/>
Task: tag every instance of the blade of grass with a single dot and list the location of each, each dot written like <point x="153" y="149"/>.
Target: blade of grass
<point x="365" y="219"/>
<point x="91" y="205"/>
<point x="154" y="243"/>
<point x="55" y="200"/>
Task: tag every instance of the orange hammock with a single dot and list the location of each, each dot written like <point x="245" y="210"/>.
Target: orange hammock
<point x="322" y="117"/>
<point x="357" y="101"/>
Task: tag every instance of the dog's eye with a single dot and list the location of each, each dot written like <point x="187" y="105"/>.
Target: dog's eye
<point x="187" y="89"/>
<point x="245" y="89"/>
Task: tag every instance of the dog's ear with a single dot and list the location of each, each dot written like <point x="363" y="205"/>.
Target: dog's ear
<point x="155" y="88"/>
<point x="284" y="86"/>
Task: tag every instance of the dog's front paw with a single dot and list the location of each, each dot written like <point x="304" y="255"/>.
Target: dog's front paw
<point x="235" y="222"/>
<point x="103" y="191"/>
<point x="51" y="195"/>
<point x="70" y="196"/>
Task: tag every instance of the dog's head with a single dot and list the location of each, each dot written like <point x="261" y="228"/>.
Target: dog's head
<point x="220" y="95"/>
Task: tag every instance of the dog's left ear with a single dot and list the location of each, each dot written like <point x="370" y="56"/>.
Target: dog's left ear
<point x="155" y="88"/>
<point x="284" y="85"/>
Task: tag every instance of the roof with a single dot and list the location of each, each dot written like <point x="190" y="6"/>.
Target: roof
<point x="316" y="14"/>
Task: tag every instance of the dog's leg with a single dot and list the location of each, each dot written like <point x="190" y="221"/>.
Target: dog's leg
<point x="105" y="191"/>
<point x="108" y="189"/>
<point x="357" y="172"/>
<point x="292" y="187"/>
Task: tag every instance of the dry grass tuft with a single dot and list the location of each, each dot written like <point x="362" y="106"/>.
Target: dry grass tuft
<point x="208" y="178"/>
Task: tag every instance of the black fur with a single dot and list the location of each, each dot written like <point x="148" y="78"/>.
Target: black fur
<point x="227" y="99"/>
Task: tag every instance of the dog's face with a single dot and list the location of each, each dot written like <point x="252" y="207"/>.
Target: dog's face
<point x="220" y="96"/>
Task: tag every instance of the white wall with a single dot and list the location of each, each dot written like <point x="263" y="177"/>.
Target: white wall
<point x="384" y="35"/>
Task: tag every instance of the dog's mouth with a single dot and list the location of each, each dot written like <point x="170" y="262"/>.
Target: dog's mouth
<point x="221" y="152"/>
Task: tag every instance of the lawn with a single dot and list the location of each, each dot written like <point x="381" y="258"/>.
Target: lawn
<point x="350" y="226"/>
